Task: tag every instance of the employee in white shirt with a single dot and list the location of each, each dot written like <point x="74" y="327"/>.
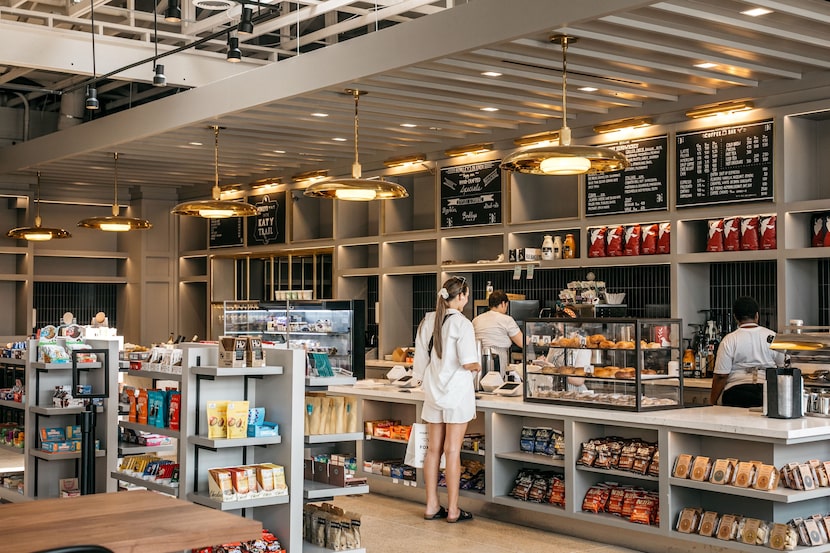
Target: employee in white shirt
<point x="743" y="356"/>
<point x="497" y="330"/>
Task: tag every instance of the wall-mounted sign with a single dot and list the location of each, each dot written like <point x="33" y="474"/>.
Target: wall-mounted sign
<point x="225" y="233"/>
<point x="727" y="164"/>
<point x="471" y="194"/>
<point x="268" y="225"/>
<point x="641" y="187"/>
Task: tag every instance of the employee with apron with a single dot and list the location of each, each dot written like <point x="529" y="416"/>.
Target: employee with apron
<point x="743" y="356"/>
<point x="497" y="330"/>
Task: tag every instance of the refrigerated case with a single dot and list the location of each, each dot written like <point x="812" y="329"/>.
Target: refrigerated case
<point x="334" y="327"/>
<point x="627" y="364"/>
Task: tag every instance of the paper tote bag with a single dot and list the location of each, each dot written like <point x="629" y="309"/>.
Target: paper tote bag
<point x="416" y="447"/>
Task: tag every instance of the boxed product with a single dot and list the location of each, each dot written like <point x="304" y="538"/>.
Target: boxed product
<point x="220" y="486"/>
<point x="69" y="487"/>
<point x="254" y="355"/>
<point x="232" y="351"/>
<point x="52" y="434"/>
<point x="265" y="430"/>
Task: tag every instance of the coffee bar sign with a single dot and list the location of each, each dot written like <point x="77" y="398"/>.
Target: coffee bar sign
<point x="471" y="195"/>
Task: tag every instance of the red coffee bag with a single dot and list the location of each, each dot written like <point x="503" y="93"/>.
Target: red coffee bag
<point x="632" y="240"/>
<point x="817" y="239"/>
<point x="664" y="238"/>
<point x="614" y="241"/>
<point x="749" y="233"/>
<point x="714" y="241"/>
<point x="767" y="226"/>
<point x="731" y="234"/>
<point x="649" y="239"/>
<point x="596" y="241"/>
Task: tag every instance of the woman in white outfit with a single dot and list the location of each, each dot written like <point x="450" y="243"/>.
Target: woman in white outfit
<point x="446" y="358"/>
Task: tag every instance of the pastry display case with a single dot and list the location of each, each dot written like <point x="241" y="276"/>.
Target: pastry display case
<point x="617" y="363"/>
<point x="333" y="327"/>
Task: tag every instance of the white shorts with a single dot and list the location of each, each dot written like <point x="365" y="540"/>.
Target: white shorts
<point x="457" y="415"/>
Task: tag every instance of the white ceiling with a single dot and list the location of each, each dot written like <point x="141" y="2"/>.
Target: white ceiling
<point x="421" y="63"/>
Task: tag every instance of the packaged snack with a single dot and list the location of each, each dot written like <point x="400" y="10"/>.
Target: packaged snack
<point x="767" y="478"/>
<point x="701" y="468"/>
<point x="714" y="240"/>
<point x="689" y="520"/>
<point x="616" y="498"/>
<point x="752" y="531"/>
<point x="826" y="232"/>
<point x="728" y="527"/>
<point x="731" y="234"/>
<point x="745" y="473"/>
<point x="632" y="240"/>
<point x="817" y="235"/>
<point x="682" y="465"/>
<point x="614" y="241"/>
<point x="216" y="419"/>
<point x="596" y="498"/>
<point x="779" y="537"/>
<point x="709" y="523"/>
<point x="539" y="488"/>
<point x="174" y="410"/>
<point x="522" y="484"/>
<point x="596" y="241"/>
<point x="542" y="439"/>
<point x="766" y="225"/>
<point x="237" y="419"/>
<point x="557" y="492"/>
<point x="644" y="509"/>
<point x="642" y="458"/>
<point x="813" y="533"/>
<point x="664" y="238"/>
<point x="722" y="471"/>
<point x="648" y="245"/>
<point x="142" y="406"/>
<point x="630" y="500"/>
<point x="588" y="455"/>
<point x="219" y="485"/>
<point x="654" y="466"/>
<point x="749" y="233"/>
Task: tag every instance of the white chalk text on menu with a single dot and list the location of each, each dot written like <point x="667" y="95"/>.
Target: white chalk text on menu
<point x="471" y="194"/>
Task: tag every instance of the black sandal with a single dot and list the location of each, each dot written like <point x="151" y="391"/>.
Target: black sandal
<point x="439" y="514"/>
<point x="462" y="516"/>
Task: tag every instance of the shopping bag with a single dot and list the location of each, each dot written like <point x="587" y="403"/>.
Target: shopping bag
<point x="416" y="447"/>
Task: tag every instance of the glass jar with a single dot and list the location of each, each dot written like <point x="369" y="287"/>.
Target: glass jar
<point x="569" y="247"/>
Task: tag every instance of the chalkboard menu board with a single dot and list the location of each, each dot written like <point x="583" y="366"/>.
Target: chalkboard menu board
<point x="471" y="194"/>
<point x="225" y="233"/>
<point x="641" y="187"/>
<point x="268" y="226"/>
<point x="728" y="164"/>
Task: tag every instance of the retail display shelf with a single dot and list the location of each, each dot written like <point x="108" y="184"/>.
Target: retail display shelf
<point x="6" y="277"/>
<point x="236" y="371"/>
<point x="156" y="375"/>
<point x="304" y="332"/>
<point x="129" y="448"/>
<point x="12" y="496"/>
<point x="456" y="267"/>
<point x="11" y="404"/>
<point x="781" y="495"/>
<point x="736" y="545"/>
<point x="149" y="484"/>
<point x="310" y="548"/>
<point x="530" y="505"/>
<point x="318" y="381"/>
<point x="617" y="473"/>
<point x="201" y="499"/>
<point x="317" y="490"/>
<point x="86" y="254"/>
<point x="40" y="454"/>
<point x="531" y="458"/>
<point x="471" y="494"/>
<point x="138" y="427"/>
<point x="381" y="439"/>
<point x="6" y="447"/>
<point x="53" y="411"/>
<point x="67" y="366"/>
<point x="389" y="479"/>
<point x="479" y="453"/>
<point x="615" y="521"/>
<point x="12" y="361"/>
<point x="220" y="443"/>
<point x="326" y="438"/>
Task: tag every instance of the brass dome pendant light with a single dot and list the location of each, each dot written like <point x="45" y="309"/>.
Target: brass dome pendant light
<point x="37" y="233"/>
<point x="115" y="223"/>
<point x="356" y="188"/>
<point x="564" y="159"/>
<point x="215" y="208"/>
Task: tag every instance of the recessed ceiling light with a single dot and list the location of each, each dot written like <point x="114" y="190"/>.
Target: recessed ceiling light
<point x="706" y="65"/>
<point x="588" y="89"/>
<point x="195" y="143"/>
<point x="489" y="109"/>
<point x="409" y="125"/>
<point x="279" y="151"/>
<point x="491" y="74"/>
<point x="338" y="139"/>
<point x="319" y="114"/>
<point x="755" y="12"/>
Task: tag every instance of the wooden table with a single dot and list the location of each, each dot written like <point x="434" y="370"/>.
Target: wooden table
<point x="126" y="522"/>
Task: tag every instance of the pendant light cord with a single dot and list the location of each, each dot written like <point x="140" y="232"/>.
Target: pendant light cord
<point x="155" y="35"/>
<point x="115" y="201"/>
<point x="92" y="32"/>
<point x="565" y="81"/>
<point x="356" y="124"/>
<point x="37" y="201"/>
<point x="216" y="194"/>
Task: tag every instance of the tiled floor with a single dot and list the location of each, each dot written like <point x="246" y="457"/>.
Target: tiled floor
<point x="390" y="524"/>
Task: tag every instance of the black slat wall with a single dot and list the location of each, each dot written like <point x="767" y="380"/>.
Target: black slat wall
<point x="84" y="300"/>
<point x="732" y="280"/>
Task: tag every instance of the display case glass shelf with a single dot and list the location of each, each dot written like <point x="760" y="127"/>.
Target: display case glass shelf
<point x="611" y="363"/>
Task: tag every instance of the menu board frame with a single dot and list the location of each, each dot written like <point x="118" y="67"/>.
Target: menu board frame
<point x="471" y="194"/>
<point x="268" y="225"/>
<point x="692" y="172"/>
<point x="226" y="233"/>
<point x="646" y="182"/>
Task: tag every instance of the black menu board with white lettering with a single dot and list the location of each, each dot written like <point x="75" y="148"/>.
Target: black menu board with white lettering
<point x="471" y="194"/>
<point x="225" y="233"/>
<point x="727" y="164"/>
<point x="268" y="225"/>
<point x="641" y="187"/>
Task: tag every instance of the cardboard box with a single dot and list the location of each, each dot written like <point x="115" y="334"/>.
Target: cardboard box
<point x="220" y="486"/>
<point x="254" y="355"/>
<point x="232" y="351"/>
<point x="321" y="472"/>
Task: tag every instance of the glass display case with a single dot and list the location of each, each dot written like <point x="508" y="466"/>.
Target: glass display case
<point x="626" y="364"/>
<point x="333" y="327"/>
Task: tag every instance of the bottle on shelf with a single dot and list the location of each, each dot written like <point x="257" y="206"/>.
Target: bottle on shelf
<point x="488" y="290"/>
<point x="557" y="247"/>
<point x="569" y="247"/>
<point x="689" y="364"/>
<point x="547" y="248"/>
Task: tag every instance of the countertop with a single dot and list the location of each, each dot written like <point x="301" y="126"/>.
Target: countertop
<point x="698" y="420"/>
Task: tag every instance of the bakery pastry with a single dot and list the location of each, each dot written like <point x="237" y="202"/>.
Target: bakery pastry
<point x="607" y="344"/>
<point x="625" y="344"/>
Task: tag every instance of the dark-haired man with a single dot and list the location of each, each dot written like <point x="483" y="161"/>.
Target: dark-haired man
<point x="497" y="330"/>
<point x="743" y="356"/>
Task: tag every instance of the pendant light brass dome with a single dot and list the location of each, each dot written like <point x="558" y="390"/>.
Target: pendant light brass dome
<point x="38" y="233"/>
<point x="356" y="189"/>
<point x="564" y="159"/>
<point x="215" y="208"/>
<point x="115" y="223"/>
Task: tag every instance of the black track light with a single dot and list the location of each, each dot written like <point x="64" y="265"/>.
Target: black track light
<point x="234" y="53"/>
<point x="91" y="98"/>
<point x="246" y="25"/>
<point x="173" y="14"/>
<point x="159" y="79"/>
